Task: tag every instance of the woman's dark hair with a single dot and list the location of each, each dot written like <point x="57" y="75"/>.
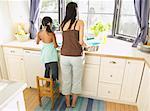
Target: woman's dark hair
<point x="46" y="21"/>
<point x="71" y="13"/>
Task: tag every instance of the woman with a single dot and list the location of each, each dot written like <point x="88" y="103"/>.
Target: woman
<point x="71" y="54"/>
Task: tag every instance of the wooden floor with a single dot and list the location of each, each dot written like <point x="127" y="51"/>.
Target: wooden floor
<point x="31" y="101"/>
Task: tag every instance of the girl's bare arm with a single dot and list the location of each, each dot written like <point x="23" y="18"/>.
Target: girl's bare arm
<point x="54" y="41"/>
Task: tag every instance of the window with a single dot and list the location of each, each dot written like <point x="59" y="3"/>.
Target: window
<point x="127" y="25"/>
<point x="120" y="14"/>
<point x="51" y="8"/>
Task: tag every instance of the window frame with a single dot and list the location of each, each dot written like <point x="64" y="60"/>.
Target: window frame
<point x="116" y="21"/>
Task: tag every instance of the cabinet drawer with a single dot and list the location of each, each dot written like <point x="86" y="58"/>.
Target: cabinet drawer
<point x="113" y="62"/>
<point x="112" y="70"/>
<point x="109" y="91"/>
<point x="14" y="51"/>
<point x="92" y="59"/>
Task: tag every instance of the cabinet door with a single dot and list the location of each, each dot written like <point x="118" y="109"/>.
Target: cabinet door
<point x="33" y="67"/>
<point x="15" y="68"/>
<point x="144" y="98"/>
<point x="90" y="80"/>
<point x="131" y="81"/>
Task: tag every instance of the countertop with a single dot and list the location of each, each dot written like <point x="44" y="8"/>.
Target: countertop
<point x="112" y="48"/>
<point x="10" y="90"/>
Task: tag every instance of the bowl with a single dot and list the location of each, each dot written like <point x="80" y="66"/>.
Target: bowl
<point x="22" y="38"/>
<point x="144" y="48"/>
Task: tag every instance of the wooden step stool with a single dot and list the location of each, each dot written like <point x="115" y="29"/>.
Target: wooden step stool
<point x="47" y="88"/>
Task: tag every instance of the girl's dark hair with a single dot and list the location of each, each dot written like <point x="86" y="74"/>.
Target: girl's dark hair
<point x="71" y="13"/>
<point x="46" y="21"/>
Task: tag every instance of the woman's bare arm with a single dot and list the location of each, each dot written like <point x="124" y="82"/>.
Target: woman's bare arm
<point x="81" y="33"/>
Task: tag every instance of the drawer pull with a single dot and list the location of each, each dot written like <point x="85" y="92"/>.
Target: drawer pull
<point x="112" y="62"/>
<point x="27" y="52"/>
<point x="129" y="62"/>
<point x="12" y="51"/>
<point x="21" y="59"/>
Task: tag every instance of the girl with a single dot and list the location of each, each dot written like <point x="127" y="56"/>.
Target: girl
<point x="49" y="53"/>
<point x="71" y="53"/>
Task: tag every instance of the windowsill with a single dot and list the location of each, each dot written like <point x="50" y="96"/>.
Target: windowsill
<point x="131" y="40"/>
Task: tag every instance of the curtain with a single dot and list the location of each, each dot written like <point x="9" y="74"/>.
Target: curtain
<point x="142" y="13"/>
<point x="34" y="15"/>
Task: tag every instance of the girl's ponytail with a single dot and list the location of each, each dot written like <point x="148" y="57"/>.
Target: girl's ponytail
<point x="48" y="29"/>
<point x="40" y="27"/>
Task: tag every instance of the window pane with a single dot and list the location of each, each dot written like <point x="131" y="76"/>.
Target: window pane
<point x="127" y="7"/>
<point x="128" y="26"/>
<point x="102" y="6"/>
<point x="93" y="11"/>
<point x="127" y="22"/>
<point x="50" y="8"/>
<point x="82" y="5"/>
<point x="105" y="18"/>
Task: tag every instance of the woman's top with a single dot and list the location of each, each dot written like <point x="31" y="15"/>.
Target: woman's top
<point x="70" y="44"/>
<point x="49" y="53"/>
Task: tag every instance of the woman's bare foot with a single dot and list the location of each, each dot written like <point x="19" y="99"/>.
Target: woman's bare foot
<point x="74" y="100"/>
<point x="67" y="100"/>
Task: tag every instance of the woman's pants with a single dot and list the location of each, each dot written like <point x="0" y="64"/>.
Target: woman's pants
<point x="71" y="68"/>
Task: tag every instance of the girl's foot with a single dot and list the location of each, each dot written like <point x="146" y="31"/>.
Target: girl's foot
<point x="67" y="100"/>
<point x="74" y="100"/>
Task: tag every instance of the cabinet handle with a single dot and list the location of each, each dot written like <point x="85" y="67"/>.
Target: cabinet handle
<point x="12" y="51"/>
<point x="112" y="62"/>
<point x="27" y="52"/>
<point x="21" y="59"/>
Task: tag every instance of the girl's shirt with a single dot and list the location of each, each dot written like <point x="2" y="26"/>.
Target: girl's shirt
<point x="49" y="53"/>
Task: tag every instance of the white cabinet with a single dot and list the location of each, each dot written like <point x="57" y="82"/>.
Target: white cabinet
<point x="111" y="76"/>
<point x="15" y="64"/>
<point x="144" y="98"/>
<point x="131" y="81"/>
<point x="90" y="80"/>
<point x="33" y="67"/>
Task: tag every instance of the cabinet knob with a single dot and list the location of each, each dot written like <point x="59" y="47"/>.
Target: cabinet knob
<point x="129" y="62"/>
<point x="108" y="92"/>
<point x="111" y="75"/>
<point x="112" y="62"/>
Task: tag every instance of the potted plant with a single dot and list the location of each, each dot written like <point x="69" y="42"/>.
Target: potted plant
<point x="21" y="34"/>
<point x="100" y="30"/>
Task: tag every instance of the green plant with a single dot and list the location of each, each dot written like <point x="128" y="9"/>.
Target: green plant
<point x="100" y="27"/>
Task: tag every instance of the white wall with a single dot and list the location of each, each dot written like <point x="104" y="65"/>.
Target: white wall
<point x="5" y="22"/>
<point x="12" y="12"/>
<point x="19" y="12"/>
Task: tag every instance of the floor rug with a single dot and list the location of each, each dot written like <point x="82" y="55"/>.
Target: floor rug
<point x="83" y="104"/>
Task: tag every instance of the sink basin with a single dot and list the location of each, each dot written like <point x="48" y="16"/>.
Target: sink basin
<point x="3" y="85"/>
